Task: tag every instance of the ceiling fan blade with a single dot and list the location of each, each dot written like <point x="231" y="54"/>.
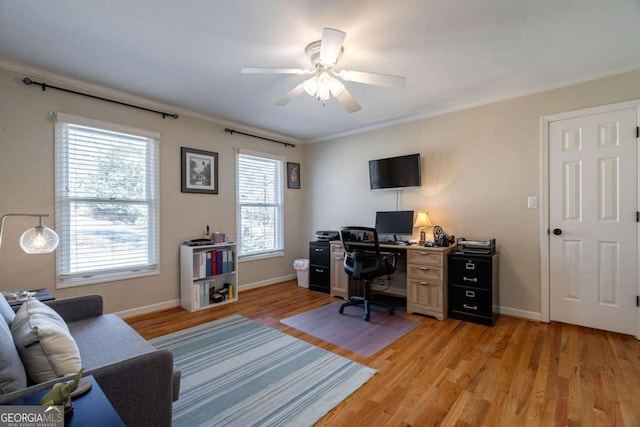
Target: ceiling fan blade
<point x="287" y="97"/>
<point x="348" y="102"/>
<point x="254" y="70"/>
<point x="386" y="80"/>
<point x="331" y="44"/>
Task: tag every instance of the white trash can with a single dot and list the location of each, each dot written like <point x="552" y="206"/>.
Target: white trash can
<point x="302" y="268"/>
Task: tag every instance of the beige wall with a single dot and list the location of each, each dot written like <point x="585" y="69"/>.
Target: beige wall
<point x="479" y="167"/>
<point x="26" y="185"/>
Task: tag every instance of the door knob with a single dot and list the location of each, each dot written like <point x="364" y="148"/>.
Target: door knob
<point x="557" y="231"/>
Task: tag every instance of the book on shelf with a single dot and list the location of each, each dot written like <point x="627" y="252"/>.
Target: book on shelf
<point x="200" y="265"/>
<point x="212" y="263"/>
<point x="219" y="269"/>
<point x="209" y="261"/>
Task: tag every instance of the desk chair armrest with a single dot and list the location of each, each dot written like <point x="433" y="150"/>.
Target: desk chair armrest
<point x="390" y="260"/>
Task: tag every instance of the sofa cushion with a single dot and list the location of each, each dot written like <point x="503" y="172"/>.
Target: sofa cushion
<point x="107" y="339"/>
<point x="12" y="375"/>
<point x="45" y="345"/>
<point x="6" y="311"/>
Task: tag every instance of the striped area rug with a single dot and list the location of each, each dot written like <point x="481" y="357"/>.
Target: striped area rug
<point x="236" y="372"/>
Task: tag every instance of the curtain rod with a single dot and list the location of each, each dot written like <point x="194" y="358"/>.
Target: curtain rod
<point x="232" y="131"/>
<point x="44" y="87"/>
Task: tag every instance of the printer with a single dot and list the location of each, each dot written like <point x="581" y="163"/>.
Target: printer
<point x="327" y="236"/>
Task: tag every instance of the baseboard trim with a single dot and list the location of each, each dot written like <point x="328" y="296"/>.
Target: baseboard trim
<point x="176" y="302"/>
<point x="508" y="311"/>
<point x="268" y="282"/>
<point x="148" y="308"/>
<point x="530" y="315"/>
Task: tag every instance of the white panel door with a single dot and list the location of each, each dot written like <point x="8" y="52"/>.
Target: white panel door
<point x="592" y="218"/>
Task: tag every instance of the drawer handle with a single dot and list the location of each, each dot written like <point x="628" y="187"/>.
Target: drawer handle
<point x="470" y="307"/>
<point x="319" y="250"/>
<point x="424" y="268"/>
<point x="424" y="283"/>
<point x="319" y="270"/>
<point x="470" y="266"/>
<point x="466" y="279"/>
<point x="339" y="257"/>
<point x="423" y="253"/>
<point x="469" y="294"/>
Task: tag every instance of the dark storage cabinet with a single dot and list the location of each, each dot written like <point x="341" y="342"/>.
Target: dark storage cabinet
<point x="319" y="270"/>
<point x="473" y="288"/>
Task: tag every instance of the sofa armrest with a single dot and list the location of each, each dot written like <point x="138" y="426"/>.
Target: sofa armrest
<point x="141" y="388"/>
<point x="77" y="308"/>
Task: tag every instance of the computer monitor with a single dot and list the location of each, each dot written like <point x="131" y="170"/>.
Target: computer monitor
<point x="395" y="222"/>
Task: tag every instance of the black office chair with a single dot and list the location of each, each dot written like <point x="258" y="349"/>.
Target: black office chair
<point x="363" y="261"/>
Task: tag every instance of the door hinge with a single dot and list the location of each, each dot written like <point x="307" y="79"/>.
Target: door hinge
<point x="637" y="216"/>
<point x="637" y="300"/>
<point x="637" y="131"/>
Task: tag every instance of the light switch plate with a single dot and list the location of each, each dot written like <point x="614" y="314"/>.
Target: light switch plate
<point x="532" y="202"/>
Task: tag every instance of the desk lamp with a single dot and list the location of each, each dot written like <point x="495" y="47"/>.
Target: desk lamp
<point x="422" y="221"/>
<point x="36" y="240"/>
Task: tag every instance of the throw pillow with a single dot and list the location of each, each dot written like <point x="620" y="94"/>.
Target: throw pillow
<point x="12" y="375"/>
<point x="47" y="349"/>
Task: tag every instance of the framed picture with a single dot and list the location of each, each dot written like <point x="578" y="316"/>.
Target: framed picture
<point x="199" y="171"/>
<point x="293" y="175"/>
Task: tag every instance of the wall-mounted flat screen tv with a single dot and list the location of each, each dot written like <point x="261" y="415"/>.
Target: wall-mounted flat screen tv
<point x="395" y="172"/>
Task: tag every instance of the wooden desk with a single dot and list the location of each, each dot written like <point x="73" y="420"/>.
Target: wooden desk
<point x="420" y="277"/>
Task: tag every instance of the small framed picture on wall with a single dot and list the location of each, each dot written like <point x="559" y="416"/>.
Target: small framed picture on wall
<point x="199" y="170"/>
<point x="293" y="175"/>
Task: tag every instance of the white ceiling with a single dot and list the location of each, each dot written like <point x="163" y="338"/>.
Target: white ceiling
<point x="454" y="53"/>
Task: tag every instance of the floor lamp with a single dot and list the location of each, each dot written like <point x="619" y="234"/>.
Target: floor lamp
<point x="36" y="240"/>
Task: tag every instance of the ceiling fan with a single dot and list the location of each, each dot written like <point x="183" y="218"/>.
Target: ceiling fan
<point x="326" y="80"/>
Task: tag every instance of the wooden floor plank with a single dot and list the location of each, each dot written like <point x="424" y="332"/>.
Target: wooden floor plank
<point x="455" y="373"/>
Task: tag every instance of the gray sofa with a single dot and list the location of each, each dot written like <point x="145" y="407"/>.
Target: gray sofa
<point x="140" y="381"/>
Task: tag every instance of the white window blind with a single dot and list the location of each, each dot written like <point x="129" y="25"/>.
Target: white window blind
<point x="106" y="201"/>
<point x="260" y="205"/>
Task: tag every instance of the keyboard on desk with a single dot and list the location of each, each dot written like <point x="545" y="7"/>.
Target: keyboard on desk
<point x="395" y="242"/>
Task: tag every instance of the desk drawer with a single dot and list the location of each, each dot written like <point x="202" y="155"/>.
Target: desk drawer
<point x="419" y="256"/>
<point x="319" y="275"/>
<point x="470" y="272"/>
<point x="424" y="272"/>
<point x="470" y="300"/>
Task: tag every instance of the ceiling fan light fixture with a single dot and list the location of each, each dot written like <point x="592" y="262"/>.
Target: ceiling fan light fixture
<point x="336" y="87"/>
<point x="323" y="86"/>
<point x="327" y="82"/>
<point x="311" y="86"/>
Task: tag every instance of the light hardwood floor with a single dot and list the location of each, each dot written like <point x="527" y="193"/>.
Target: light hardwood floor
<point x="454" y="373"/>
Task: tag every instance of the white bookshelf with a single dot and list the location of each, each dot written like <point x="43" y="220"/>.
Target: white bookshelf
<point x="199" y="283"/>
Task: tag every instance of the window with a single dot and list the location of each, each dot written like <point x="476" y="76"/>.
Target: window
<point x="260" y="207"/>
<point x="106" y="201"/>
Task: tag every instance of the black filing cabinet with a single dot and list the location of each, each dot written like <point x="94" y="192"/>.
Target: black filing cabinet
<point x="473" y="288"/>
<point x="319" y="262"/>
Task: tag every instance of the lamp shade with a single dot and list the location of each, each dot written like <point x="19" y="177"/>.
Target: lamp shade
<point x="422" y="219"/>
<point x="39" y="240"/>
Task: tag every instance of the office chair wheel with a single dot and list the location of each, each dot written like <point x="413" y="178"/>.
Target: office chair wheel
<point x="366" y="317"/>
<point x="341" y="310"/>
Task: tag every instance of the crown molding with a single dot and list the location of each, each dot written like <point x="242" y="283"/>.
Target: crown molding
<point x="486" y="101"/>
